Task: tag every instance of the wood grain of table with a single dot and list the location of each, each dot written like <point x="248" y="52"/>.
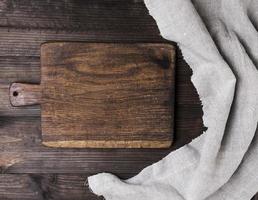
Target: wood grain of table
<point x="28" y="169"/>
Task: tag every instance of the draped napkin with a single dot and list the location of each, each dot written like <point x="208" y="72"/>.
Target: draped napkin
<point x="219" y="40"/>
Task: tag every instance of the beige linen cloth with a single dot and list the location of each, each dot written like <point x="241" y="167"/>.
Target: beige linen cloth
<point x="219" y="40"/>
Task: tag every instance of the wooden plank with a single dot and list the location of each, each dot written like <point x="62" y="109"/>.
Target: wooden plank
<point x="77" y="16"/>
<point x="21" y="187"/>
<point x="45" y="187"/>
<point x="64" y="186"/>
<point x="27" y="43"/>
<point x="19" y="68"/>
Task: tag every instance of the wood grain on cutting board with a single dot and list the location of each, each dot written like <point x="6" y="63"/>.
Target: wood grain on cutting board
<point x="107" y="95"/>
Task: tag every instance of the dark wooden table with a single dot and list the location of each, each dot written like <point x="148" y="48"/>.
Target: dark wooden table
<point x="32" y="171"/>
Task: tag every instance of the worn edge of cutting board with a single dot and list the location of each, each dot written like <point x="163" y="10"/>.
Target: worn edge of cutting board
<point x="99" y="143"/>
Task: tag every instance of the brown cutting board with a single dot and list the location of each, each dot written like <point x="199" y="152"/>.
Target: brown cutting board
<point x="109" y="95"/>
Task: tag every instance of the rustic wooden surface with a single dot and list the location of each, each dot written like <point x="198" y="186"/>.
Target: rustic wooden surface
<point x="31" y="171"/>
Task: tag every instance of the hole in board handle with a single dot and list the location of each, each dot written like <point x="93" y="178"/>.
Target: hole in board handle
<point x="15" y="93"/>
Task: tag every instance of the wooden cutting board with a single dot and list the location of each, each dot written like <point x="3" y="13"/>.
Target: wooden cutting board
<point x="103" y="95"/>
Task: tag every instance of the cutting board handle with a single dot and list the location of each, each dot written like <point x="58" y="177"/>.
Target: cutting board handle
<point x="24" y="94"/>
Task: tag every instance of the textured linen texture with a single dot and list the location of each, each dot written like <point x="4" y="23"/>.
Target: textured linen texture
<point x="219" y="40"/>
